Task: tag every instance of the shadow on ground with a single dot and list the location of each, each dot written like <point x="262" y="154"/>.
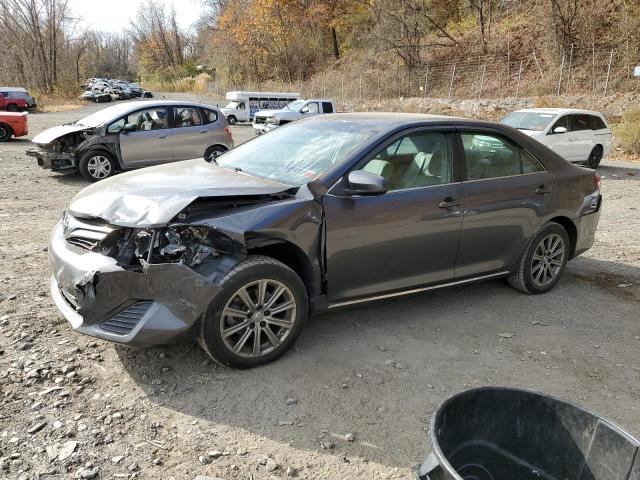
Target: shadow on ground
<point x="380" y="370"/>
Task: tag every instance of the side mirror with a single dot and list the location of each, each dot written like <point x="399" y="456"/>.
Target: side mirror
<point x="304" y="109"/>
<point x="560" y="130"/>
<point x="362" y="182"/>
<point x="129" y="127"/>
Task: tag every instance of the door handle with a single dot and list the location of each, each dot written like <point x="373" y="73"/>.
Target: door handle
<point x="162" y="136"/>
<point x="450" y="202"/>
<point x="541" y="190"/>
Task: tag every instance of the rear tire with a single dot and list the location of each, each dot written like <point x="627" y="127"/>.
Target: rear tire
<point x="5" y="132"/>
<point x="96" y="165"/>
<point x="214" y="149"/>
<point x="243" y="333"/>
<point x="232" y="120"/>
<point x="595" y="157"/>
<point x="543" y="261"/>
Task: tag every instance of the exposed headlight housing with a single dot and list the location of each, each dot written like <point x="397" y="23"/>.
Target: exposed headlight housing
<point x="272" y="121"/>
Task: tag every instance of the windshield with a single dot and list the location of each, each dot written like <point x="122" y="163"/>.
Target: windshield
<point x="298" y="153"/>
<point x="103" y="116"/>
<point x="232" y="105"/>
<point x="537" y="121"/>
<point x="295" y="106"/>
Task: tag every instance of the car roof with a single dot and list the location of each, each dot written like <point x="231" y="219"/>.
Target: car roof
<point x="558" y="111"/>
<point x="397" y="118"/>
<point x="126" y="107"/>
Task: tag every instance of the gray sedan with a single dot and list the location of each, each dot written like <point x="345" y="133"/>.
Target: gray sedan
<point x="322" y="213"/>
<point x="133" y="135"/>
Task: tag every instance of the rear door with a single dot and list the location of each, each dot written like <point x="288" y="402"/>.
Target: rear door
<point x="190" y="134"/>
<point x="150" y="143"/>
<point x="507" y="192"/>
<point x="405" y="237"/>
<point x="582" y="137"/>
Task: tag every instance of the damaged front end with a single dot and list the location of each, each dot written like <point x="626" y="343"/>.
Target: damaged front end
<point x="137" y="285"/>
<point x="62" y="153"/>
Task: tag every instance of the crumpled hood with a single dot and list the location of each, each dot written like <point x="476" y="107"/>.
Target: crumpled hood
<point x="152" y="196"/>
<point x="51" y="134"/>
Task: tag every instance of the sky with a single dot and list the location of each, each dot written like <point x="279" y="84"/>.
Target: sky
<point x="115" y="15"/>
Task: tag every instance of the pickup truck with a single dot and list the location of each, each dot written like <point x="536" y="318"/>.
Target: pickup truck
<point x="12" y="104"/>
<point x="266" y="120"/>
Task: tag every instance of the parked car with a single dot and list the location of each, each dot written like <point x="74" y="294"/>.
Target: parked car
<point x="325" y="212"/>
<point x="12" y="104"/>
<point x="133" y="135"/>
<point x="267" y="120"/>
<point x="13" y="124"/>
<point x="243" y="106"/>
<point x="19" y="92"/>
<point x="580" y="136"/>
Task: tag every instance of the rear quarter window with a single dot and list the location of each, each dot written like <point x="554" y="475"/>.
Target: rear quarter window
<point x="210" y="116"/>
<point x="596" y="123"/>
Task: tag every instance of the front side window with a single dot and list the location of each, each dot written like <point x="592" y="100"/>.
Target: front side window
<point x="561" y="122"/>
<point x="299" y="153"/>
<point x="312" y="107"/>
<point x="116" y="126"/>
<point x="492" y="156"/>
<point x="186" y="117"/>
<point x="149" y="119"/>
<point x="415" y="160"/>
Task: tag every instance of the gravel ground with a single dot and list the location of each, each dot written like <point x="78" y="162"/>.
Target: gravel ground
<point x="74" y="406"/>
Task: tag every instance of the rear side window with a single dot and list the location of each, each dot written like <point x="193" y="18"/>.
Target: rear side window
<point x="186" y="117"/>
<point x="210" y="116"/>
<point x="596" y="123"/>
<point x="327" y="107"/>
<point x="492" y="156"/>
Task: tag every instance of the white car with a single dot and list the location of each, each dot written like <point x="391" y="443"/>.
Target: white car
<point x="580" y="136"/>
<point x="266" y="120"/>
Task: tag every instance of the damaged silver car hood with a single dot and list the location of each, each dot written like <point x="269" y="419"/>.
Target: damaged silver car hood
<point x="52" y="134"/>
<point x="151" y="197"/>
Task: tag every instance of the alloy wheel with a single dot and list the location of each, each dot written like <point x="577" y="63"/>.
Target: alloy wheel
<point x="99" y="167"/>
<point x="548" y="259"/>
<point x="258" y="318"/>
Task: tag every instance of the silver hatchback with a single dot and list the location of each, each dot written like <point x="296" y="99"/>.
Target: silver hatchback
<point x="133" y="135"/>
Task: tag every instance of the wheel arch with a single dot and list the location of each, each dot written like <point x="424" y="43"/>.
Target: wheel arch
<point x="289" y="254"/>
<point x="571" y="230"/>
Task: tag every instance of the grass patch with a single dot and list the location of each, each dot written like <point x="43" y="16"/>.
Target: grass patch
<point x="628" y="132"/>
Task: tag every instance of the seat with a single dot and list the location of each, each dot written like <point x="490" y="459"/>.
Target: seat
<point x="425" y="170"/>
<point x="380" y="167"/>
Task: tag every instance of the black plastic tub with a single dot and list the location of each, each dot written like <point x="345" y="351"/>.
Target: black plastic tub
<point x="510" y="434"/>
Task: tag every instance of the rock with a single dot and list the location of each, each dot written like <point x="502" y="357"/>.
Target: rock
<point x="291" y="401"/>
<point x="66" y="450"/>
<point x="382" y="348"/>
<point x="389" y="363"/>
<point x="37" y="427"/>
<point x="52" y="451"/>
<point x="204" y="460"/>
<point x="271" y="465"/>
<point x="88" y="473"/>
<point x="327" y="446"/>
<point x="241" y="451"/>
<point x="400" y="366"/>
<point x="206" y="477"/>
<point x="58" y="424"/>
<point x="624" y="285"/>
<point x="506" y="335"/>
<point x="214" y="454"/>
<point x="117" y="459"/>
<point x="133" y="467"/>
<point x="350" y="437"/>
<point x="292" y="472"/>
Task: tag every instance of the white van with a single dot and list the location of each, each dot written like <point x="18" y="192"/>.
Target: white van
<point x="244" y="105"/>
<point x="580" y="136"/>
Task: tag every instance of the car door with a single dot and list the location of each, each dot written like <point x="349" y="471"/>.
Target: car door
<point x="149" y="143"/>
<point x="582" y="137"/>
<point x="507" y="193"/>
<point x="561" y="143"/>
<point x="190" y="135"/>
<point x="405" y="237"/>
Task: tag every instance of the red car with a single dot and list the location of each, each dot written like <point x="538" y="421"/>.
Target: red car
<point x="12" y="104"/>
<point x="12" y="124"/>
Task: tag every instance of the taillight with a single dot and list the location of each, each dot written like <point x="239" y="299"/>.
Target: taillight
<point x="227" y="130"/>
<point x="597" y="180"/>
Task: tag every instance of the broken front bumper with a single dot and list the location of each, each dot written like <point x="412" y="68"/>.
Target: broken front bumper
<point x="159" y="304"/>
<point x="59" y="162"/>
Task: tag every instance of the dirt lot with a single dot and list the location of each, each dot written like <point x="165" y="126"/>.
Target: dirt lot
<point x="71" y="405"/>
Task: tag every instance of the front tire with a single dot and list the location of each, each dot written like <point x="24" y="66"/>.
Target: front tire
<point x="595" y="157"/>
<point x="543" y="261"/>
<point x="5" y="132"/>
<point x="257" y="316"/>
<point x="97" y="165"/>
<point x="232" y="120"/>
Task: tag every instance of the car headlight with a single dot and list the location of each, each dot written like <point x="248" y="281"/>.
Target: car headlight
<point x="272" y="120"/>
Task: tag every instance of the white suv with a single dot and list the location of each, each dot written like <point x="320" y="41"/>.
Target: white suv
<point x="580" y="136"/>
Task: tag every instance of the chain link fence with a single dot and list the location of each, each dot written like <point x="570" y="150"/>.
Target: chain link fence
<point x="579" y="71"/>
